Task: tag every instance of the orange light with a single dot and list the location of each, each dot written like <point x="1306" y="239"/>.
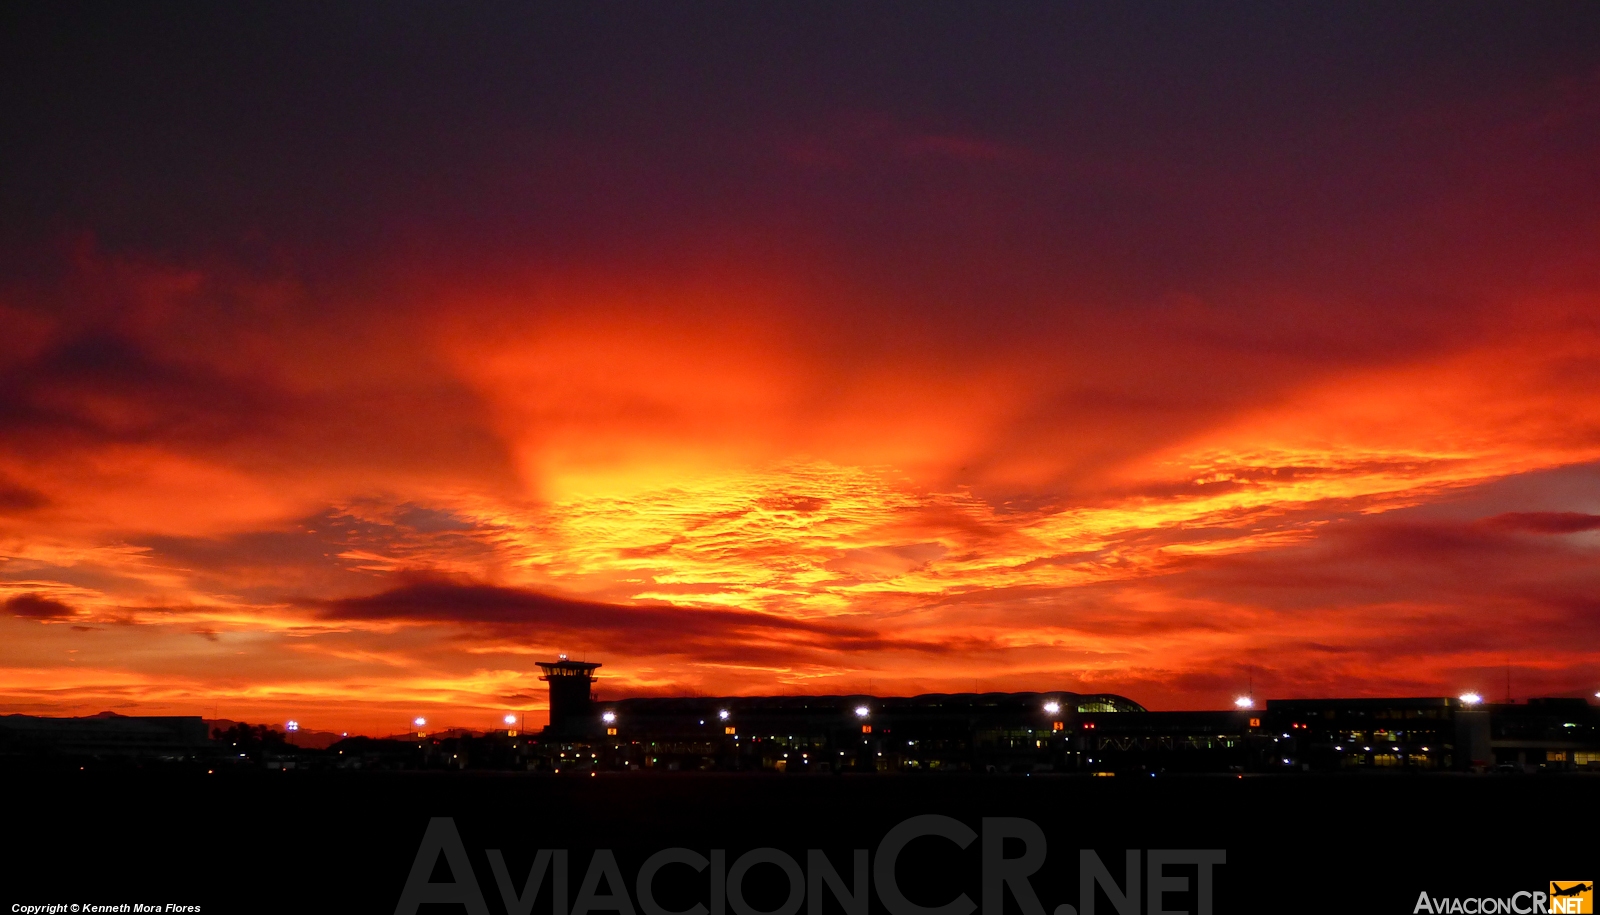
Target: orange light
<point x="866" y="729"/>
<point x="1058" y="726"/>
<point x="728" y="730"/>
<point x="1255" y="722"/>
<point x="612" y="732"/>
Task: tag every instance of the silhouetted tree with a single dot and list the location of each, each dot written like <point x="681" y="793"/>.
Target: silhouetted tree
<point x="249" y="739"/>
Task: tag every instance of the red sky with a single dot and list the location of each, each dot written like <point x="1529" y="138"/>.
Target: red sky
<point x="352" y="362"/>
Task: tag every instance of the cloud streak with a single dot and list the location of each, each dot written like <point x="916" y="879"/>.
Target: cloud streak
<point x="664" y="628"/>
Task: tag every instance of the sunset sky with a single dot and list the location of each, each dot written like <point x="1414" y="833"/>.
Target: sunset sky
<point x="353" y="359"/>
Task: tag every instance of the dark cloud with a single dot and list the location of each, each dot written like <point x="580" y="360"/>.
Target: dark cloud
<point x="104" y="387"/>
<point x="431" y="520"/>
<point x="1192" y="143"/>
<point x="641" y="627"/>
<point x="38" y="607"/>
<point x="315" y="540"/>
<point x="229" y="362"/>
<point x="1369" y="591"/>
<point x="329" y="552"/>
<point x="1544" y="522"/>
<point x="16" y="499"/>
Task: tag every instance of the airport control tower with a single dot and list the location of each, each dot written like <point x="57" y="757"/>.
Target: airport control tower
<point x="571" y="711"/>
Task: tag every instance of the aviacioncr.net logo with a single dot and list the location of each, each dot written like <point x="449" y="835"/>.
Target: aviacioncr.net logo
<point x="1566" y="897"/>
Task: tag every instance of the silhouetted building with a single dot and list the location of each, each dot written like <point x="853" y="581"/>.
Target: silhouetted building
<point x="932" y="732"/>
<point x="1549" y="734"/>
<point x="1411" y="733"/>
<point x="1437" y="733"/>
<point x="1220" y="741"/>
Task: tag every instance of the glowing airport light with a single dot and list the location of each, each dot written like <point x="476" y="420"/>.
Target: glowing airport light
<point x="510" y="719"/>
<point x="1245" y="702"/>
<point x="420" y="722"/>
<point x="723" y="714"/>
<point x="1470" y="698"/>
<point x="1052" y="707"/>
<point x="862" y="711"/>
<point x="293" y="726"/>
<point x="609" y="717"/>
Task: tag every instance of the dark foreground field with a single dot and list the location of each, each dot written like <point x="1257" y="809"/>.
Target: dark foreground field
<point x="346" y="842"/>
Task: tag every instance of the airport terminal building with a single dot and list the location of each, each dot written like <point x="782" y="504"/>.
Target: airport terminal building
<point x="1056" y="731"/>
